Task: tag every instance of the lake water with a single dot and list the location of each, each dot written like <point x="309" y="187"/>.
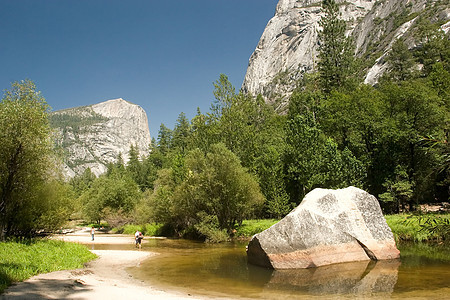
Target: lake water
<point x="221" y="270"/>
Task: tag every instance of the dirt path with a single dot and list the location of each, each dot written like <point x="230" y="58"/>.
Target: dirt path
<point x="103" y="278"/>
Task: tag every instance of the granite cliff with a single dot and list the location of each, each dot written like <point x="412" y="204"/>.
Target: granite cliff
<point x="93" y="136"/>
<point x="288" y="46"/>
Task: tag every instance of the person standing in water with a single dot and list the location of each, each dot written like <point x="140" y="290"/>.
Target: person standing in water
<point x="92" y="233"/>
<point x="138" y="236"/>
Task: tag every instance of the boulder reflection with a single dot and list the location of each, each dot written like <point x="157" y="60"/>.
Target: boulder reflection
<point x="357" y="278"/>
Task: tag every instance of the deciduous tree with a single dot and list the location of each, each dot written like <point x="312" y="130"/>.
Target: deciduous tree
<point x="26" y="156"/>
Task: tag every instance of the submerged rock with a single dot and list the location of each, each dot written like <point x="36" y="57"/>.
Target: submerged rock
<point x="328" y="227"/>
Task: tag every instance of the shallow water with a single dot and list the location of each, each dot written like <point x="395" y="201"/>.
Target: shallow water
<point x="222" y="270"/>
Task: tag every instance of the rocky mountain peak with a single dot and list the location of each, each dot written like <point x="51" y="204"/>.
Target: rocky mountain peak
<point x="289" y="44"/>
<point x="93" y="136"/>
<point x="117" y="108"/>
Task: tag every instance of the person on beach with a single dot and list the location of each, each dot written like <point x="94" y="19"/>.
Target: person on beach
<point x="138" y="236"/>
<point x="92" y="233"/>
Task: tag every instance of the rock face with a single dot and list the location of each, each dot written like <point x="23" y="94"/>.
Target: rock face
<point x="288" y="46"/>
<point x="328" y="227"/>
<point x="93" y="136"/>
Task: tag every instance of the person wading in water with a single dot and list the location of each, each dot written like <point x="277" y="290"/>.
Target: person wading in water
<point x="138" y="236"/>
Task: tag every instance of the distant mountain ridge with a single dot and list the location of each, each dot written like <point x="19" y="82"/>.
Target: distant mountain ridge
<point x="288" y="47"/>
<point x="93" y="136"/>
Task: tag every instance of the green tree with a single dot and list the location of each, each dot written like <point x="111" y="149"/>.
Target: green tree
<point x="413" y="111"/>
<point x="399" y="192"/>
<point x="341" y="168"/>
<point x="154" y="162"/>
<point x="224" y="93"/>
<point x="164" y="139"/>
<point x="161" y="200"/>
<point x="336" y="51"/>
<point x="136" y="168"/>
<point x="80" y="184"/>
<point x="26" y="156"/>
<point x="117" y="166"/>
<point x="57" y="203"/>
<point x="313" y="160"/>
<point x="200" y="136"/>
<point x="434" y="47"/>
<point x="440" y="81"/>
<point x="401" y="62"/>
<point x="214" y="195"/>
<point x="181" y="133"/>
<point x="302" y="156"/>
<point x="114" y="195"/>
<point x="306" y="102"/>
<point x="272" y="181"/>
<point x="219" y="186"/>
<point x="251" y="129"/>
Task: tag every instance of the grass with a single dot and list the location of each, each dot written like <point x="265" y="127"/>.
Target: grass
<point x="150" y="229"/>
<point x="419" y="228"/>
<point x="251" y="227"/>
<point x="20" y="260"/>
<point x="405" y="228"/>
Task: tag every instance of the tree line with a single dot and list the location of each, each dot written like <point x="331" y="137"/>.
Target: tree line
<point x="243" y="159"/>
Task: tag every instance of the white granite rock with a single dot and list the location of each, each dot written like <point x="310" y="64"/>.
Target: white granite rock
<point x="110" y="128"/>
<point x="288" y="46"/>
<point x="328" y="227"/>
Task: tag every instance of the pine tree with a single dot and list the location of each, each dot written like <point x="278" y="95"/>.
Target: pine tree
<point x="181" y="133"/>
<point x="401" y="62"/>
<point x="336" y="61"/>
<point x="164" y="138"/>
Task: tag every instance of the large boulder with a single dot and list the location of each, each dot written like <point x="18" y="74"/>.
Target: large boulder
<point x="328" y="227"/>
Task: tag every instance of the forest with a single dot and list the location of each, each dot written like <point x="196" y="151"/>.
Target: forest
<point x="246" y="158"/>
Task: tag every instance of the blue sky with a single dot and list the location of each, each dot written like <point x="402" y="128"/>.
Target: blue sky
<point x="162" y="55"/>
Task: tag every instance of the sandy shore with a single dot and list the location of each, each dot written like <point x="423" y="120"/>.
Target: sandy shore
<point x="103" y="278"/>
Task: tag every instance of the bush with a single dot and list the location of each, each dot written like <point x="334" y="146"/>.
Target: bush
<point x="131" y="229"/>
<point x="96" y="225"/>
<point x="209" y="229"/>
<point x="152" y="229"/>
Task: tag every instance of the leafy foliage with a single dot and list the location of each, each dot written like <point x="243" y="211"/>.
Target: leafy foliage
<point x="213" y="194"/>
<point x="27" y="161"/>
<point x="111" y="196"/>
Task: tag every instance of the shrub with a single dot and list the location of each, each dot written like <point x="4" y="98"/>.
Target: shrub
<point x="208" y="227"/>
